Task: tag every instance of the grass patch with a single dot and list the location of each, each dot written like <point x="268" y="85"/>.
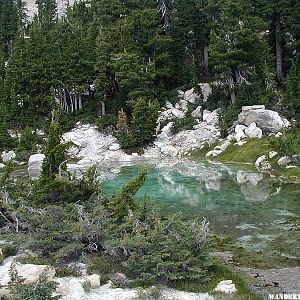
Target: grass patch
<point x="219" y="272"/>
<point x="201" y="153"/>
<point x="247" y="153"/>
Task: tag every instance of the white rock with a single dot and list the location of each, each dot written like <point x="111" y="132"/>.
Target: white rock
<point x="253" y="107"/>
<point x="279" y="134"/>
<point x="35" y="163"/>
<point x="284" y="161"/>
<point x="114" y="147"/>
<point x="2" y="166"/>
<point x="162" y="139"/>
<point x="169" y="151"/>
<point x="239" y="128"/>
<point x="183" y="105"/>
<point x="94" y="280"/>
<point x="206" y="113"/>
<point x="241" y="143"/>
<point x="226" y="286"/>
<point x="197" y="113"/>
<point x="213" y="153"/>
<point x="267" y="120"/>
<point x="224" y="146"/>
<point x="169" y="105"/>
<point x="272" y="154"/>
<point x="31" y="273"/>
<point x="191" y="96"/>
<point x="62" y="5"/>
<point x="180" y="94"/>
<point x="7" y="156"/>
<point x="239" y="136"/>
<point x="262" y="164"/>
<point x="168" y="129"/>
<point x="206" y="90"/>
<point x="178" y="113"/>
<point x="253" y="131"/>
<point x="212" y="118"/>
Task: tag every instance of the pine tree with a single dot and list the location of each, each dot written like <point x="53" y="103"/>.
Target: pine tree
<point x="236" y="50"/>
<point x="144" y="117"/>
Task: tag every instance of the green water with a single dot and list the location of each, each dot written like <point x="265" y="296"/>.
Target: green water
<point x="257" y="212"/>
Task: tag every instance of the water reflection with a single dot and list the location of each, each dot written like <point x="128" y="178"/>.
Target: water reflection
<point x="240" y="204"/>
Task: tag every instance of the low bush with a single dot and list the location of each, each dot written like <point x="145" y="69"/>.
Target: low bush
<point x="185" y="123"/>
<point x="288" y="144"/>
<point x="107" y="121"/>
<point x="226" y="119"/>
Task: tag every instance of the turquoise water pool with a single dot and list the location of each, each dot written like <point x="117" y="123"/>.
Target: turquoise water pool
<point x="257" y="211"/>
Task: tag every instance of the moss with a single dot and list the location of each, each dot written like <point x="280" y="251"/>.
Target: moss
<point x="247" y="153"/>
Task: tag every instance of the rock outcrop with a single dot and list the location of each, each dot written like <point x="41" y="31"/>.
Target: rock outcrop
<point x="267" y="120"/>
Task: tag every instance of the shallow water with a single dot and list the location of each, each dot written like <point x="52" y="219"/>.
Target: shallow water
<point x="258" y="212"/>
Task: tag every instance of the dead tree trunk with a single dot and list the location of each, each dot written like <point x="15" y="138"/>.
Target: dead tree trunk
<point x="205" y="58"/>
<point x="278" y="50"/>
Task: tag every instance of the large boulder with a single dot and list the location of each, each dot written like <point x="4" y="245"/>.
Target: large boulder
<point x="29" y="273"/>
<point x="7" y="156"/>
<point x="35" y="163"/>
<point x="267" y="120"/>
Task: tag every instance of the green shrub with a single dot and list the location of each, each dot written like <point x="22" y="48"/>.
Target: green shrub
<point x="6" y="141"/>
<point x="28" y="140"/>
<point x="41" y="290"/>
<point x="167" y="250"/>
<point x="185" y="123"/>
<point x="143" y="124"/>
<point x="288" y="144"/>
<point x="62" y="191"/>
<point x="107" y="121"/>
<point x="226" y="119"/>
<point x="126" y="140"/>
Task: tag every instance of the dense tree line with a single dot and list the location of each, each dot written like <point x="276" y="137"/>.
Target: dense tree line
<point x="117" y="52"/>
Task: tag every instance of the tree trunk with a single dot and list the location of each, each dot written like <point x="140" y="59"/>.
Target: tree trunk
<point x="80" y="102"/>
<point x="102" y="109"/>
<point x="205" y="58"/>
<point x="232" y="96"/>
<point x="278" y="51"/>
